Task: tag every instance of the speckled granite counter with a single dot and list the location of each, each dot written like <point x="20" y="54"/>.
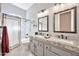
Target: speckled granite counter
<point x="67" y="45"/>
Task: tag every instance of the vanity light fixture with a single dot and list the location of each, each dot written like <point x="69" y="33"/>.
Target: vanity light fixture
<point x="57" y="6"/>
<point x="43" y="10"/>
<point x="42" y="13"/>
<point x="61" y="6"/>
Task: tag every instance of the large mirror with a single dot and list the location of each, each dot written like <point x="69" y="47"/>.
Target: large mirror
<point x="65" y="21"/>
<point x="43" y="24"/>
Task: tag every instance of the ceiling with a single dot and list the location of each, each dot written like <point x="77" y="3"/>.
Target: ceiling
<point x="24" y="6"/>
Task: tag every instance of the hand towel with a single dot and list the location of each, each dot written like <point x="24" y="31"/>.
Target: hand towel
<point x="5" y="41"/>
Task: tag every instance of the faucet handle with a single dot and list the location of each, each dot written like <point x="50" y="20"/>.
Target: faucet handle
<point x="66" y="37"/>
<point x="62" y="36"/>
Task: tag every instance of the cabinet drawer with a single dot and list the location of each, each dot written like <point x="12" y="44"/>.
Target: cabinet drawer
<point x="60" y="51"/>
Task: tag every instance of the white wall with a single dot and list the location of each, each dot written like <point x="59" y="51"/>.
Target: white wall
<point x="13" y="10"/>
<point x="32" y="14"/>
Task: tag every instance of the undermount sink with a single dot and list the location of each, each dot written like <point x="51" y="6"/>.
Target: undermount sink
<point x="46" y="37"/>
<point x="40" y="36"/>
<point x="43" y="37"/>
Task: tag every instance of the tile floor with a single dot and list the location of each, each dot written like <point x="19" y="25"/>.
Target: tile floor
<point x="20" y="51"/>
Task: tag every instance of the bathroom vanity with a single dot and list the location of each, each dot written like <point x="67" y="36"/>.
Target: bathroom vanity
<point x="41" y="46"/>
<point x="64" y="22"/>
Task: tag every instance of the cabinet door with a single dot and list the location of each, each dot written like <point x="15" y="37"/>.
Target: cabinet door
<point x="40" y="49"/>
<point x="47" y="51"/>
<point x="32" y="47"/>
<point x="60" y="51"/>
<point x="35" y="47"/>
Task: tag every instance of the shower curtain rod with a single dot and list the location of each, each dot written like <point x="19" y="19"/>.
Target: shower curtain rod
<point x="17" y="17"/>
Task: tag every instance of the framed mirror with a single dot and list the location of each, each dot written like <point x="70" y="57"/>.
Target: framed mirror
<point x="43" y="24"/>
<point x="65" y="21"/>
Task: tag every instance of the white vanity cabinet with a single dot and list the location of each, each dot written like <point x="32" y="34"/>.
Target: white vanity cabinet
<point x="44" y="48"/>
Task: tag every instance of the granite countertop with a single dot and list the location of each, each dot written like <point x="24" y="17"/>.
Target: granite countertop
<point x="66" y="44"/>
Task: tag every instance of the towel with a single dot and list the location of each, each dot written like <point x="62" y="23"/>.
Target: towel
<point x="5" y="41"/>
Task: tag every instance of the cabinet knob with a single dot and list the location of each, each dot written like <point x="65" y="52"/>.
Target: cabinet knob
<point x="46" y="47"/>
